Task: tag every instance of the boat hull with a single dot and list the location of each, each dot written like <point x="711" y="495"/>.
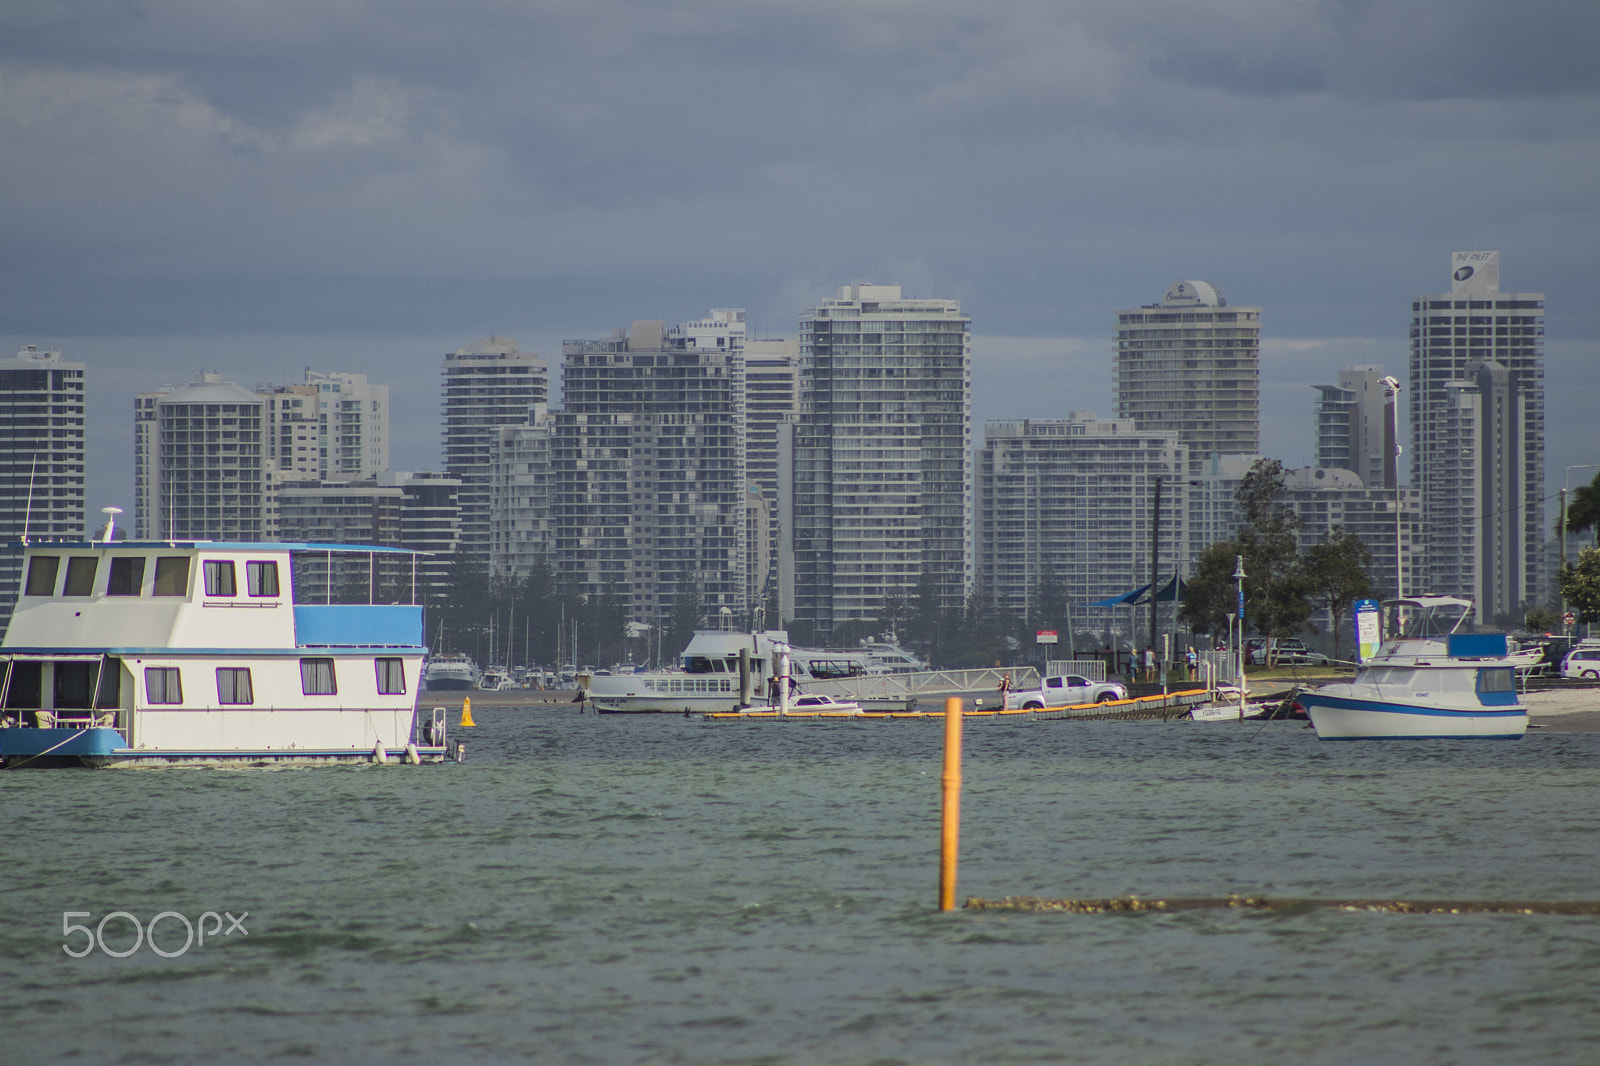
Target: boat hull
<point x="101" y="747"/>
<point x="1351" y="718"/>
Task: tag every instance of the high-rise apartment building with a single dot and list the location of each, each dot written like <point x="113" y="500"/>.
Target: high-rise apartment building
<point x="41" y="457"/>
<point x="488" y="385"/>
<point x="649" y="483"/>
<point x="1192" y="364"/>
<point x="1326" y="498"/>
<point x="1477" y="429"/>
<point x="331" y="427"/>
<point x="521" y="531"/>
<point x="1076" y="498"/>
<point x="1355" y="426"/>
<point x="882" y="455"/>
<point x="430" y="522"/>
<point x="772" y="404"/>
<point x="199" y="462"/>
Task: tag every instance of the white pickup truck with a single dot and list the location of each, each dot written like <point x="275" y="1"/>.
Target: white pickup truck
<point x="1064" y="690"/>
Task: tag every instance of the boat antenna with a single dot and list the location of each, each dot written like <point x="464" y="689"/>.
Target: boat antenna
<point x="27" y="514"/>
<point x="111" y="521"/>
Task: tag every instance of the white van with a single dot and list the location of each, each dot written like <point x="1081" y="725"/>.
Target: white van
<point x="1583" y="661"/>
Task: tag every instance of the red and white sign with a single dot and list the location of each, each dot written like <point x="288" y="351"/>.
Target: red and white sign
<point x="1047" y="636"/>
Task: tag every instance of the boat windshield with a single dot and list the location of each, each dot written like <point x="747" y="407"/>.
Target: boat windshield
<point x="1430" y="619"/>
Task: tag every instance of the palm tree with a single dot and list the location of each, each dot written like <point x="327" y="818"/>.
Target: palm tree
<point x="1583" y="509"/>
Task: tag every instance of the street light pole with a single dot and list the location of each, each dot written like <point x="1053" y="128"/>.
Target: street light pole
<point x="1391" y="385"/>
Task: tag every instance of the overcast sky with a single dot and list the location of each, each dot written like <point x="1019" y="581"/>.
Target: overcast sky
<point x="257" y="186"/>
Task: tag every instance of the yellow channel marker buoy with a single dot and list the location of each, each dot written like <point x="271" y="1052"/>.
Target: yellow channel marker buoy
<point x="466" y="712"/>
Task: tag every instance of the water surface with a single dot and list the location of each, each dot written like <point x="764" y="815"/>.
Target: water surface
<point x="659" y="890"/>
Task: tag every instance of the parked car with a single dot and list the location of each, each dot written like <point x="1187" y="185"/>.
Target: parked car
<point x="1582" y="662"/>
<point x="1290" y="651"/>
<point x="1065" y="690"/>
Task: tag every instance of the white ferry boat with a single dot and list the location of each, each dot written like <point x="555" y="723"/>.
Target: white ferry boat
<point x="711" y="680"/>
<point x="450" y="673"/>
<point x="138" y="653"/>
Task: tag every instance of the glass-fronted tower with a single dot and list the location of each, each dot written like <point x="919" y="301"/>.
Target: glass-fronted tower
<point x="1477" y="428"/>
<point x="882" y="455"/>
<point x="1192" y="364"/>
<point x="487" y="385"/>
<point x="41" y="457"/>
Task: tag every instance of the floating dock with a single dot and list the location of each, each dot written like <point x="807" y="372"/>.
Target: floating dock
<point x="1170" y="705"/>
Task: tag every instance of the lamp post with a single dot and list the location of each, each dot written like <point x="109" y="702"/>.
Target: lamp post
<point x="1566" y="483"/>
<point x="1391" y="386"/>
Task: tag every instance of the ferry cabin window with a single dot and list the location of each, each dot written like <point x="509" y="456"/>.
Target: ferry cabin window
<point x="172" y="575"/>
<point x="391" y="677"/>
<point x="80" y="575"/>
<point x="162" y="685"/>
<point x="316" y="677"/>
<point x="127" y="576"/>
<point x="219" y="577"/>
<point x="233" y="685"/>
<point x="261" y="578"/>
<point x="42" y="570"/>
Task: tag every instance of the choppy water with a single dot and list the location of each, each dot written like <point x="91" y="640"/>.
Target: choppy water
<point x="657" y="890"/>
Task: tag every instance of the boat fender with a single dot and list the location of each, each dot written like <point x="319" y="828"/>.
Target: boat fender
<point x="411" y="755"/>
<point x="380" y="754"/>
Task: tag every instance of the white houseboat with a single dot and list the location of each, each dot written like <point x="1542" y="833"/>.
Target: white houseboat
<point x="140" y="653"/>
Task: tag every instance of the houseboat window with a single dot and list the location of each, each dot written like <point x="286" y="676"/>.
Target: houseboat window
<point x="391" y="677"/>
<point x="316" y="677"/>
<point x="127" y="576"/>
<point x="72" y="681"/>
<point x="162" y="684"/>
<point x="233" y="685"/>
<point x="219" y="577"/>
<point x="1496" y="680"/>
<point x="80" y="576"/>
<point x="261" y="578"/>
<point x="42" y="570"/>
<point x="27" y="685"/>
<point x="172" y="575"/>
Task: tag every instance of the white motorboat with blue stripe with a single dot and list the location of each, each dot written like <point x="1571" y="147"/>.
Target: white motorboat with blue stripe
<point x="1464" y="688"/>
<point x="140" y="653"/>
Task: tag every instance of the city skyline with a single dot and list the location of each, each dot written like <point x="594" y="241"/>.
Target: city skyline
<point x="1291" y="370"/>
<point x="251" y="188"/>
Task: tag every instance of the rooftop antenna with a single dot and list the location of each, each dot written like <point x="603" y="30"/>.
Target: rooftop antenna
<point x="111" y="522"/>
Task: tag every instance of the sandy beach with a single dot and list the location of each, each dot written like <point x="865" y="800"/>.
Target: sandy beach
<point x="1568" y="711"/>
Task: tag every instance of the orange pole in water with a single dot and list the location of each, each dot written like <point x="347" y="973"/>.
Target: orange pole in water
<point x="950" y="837"/>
